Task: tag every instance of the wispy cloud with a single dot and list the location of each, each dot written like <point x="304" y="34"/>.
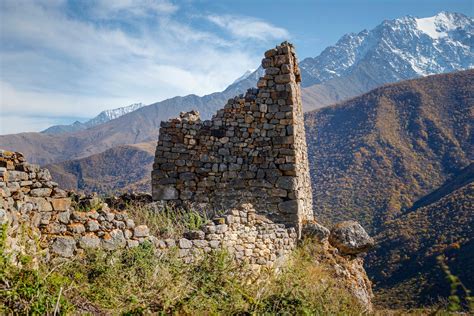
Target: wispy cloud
<point x="108" y="8"/>
<point x="59" y="59"/>
<point x="248" y="27"/>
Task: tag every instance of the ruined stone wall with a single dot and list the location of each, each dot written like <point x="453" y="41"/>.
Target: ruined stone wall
<point x="44" y="222"/>
<point x="253" y="150"/>
<point x="41" y="220"/>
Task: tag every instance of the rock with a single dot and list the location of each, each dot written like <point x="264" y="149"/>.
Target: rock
<point x="64" y="246"/>
<point x="42" y="192"/>
<point x="43" y="175"/>
<point x="165" y="193"/>
<point x="350" y="238"/>
<point x="141" y="231"/>
<point x="287" y="183"/>
<point x="185" y="243"/>
<point x="92" y="226"/>
<point x="63" y="217"/>
<point x="77" y="228"/>
<point x="113" y="240"/>
<point x="61" y="204"/>
<point x="89" y="241"/>
<point x="288" y="207"/>
<point x="194" y="234"/>
<point x="316" y="231"/>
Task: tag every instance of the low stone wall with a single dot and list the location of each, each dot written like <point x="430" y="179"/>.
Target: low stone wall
<point x="33" y="207"/>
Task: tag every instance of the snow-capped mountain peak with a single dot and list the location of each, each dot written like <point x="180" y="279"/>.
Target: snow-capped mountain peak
<point x="244" y="76"/>
<point x="398" y="49"/>
<point x="439" y="25"/>
<point x="118" y="112"/>
<point x="103" y="117"/>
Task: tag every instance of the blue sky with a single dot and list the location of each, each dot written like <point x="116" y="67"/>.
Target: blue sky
<point x="66" y="60"/>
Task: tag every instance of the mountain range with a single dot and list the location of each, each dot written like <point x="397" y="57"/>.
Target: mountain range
<point x="370" y="58"/>
<point x="103" y="117"/>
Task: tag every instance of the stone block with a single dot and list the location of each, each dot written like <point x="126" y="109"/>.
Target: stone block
<point x="89" y="241"/>
<point x="141" y="231"/>
<point x="64" y="246"/>
<point x="165" y="193"/>
<point x="61" y="204"/>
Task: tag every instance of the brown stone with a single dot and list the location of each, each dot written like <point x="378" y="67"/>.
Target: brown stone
<point x="61" y="204"/>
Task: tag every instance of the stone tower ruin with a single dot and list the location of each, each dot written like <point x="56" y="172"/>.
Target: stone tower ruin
<point x="253" y="150"/>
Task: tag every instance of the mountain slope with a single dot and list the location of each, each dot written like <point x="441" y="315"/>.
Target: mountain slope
<point x="122" y="168"/>
<point x="103" y="117"/>
<point x="404" y="265"/>
<point x="373" y="156"/>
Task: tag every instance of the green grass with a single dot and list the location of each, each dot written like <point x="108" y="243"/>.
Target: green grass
<point x="136" y="281"/>
<point x="170" y="222"/>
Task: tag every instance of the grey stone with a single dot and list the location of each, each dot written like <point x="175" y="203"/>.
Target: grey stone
<point x="64" y="246"/>
<point x="114" y="240"/>
<point x="141" y="231"/>
<point x="286" y="182"/>
<point x="165" y="193"/>
<point x="185" y="243"/>
<point x="350" y="238"/>
<point x="92" y="226"/>
<point x="89" y="241"/>
<point x="288" y="207"/>
<point x="316" y="231"/>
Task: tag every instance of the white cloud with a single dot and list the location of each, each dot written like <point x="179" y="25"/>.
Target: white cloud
<point x="248" y="27"/>
<point x="57" y="65"/>
<point x="110" y="8"/>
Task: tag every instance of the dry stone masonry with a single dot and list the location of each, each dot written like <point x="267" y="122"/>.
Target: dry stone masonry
<point x="40" y="218"/>
<point x="251" y="151"/>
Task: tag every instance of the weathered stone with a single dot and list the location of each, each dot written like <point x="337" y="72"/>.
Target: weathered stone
<point x="113" y="240"/>
<point x="350" y="238"/>
<point x="194" y="234"/>
<point x="141" y="231"/>
<point x="89" y="241"/>
<point x="42" y="192"/>
<point x="41" y="203"/>
<point x="63" y="217"/>
<point x="64" y="246"/>
<point x="165" y="193"/>
<point x="316" y="231"/>
<point x="288" y="183"/>
<point x="185" y="243"/>
<point x="61" y="204"/>
<point x="92" y="226"/>
<point x="76" y="228"/>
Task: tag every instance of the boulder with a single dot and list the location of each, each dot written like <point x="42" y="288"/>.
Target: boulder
<point x="350" y="238"/>
<point x="316" y="231"/>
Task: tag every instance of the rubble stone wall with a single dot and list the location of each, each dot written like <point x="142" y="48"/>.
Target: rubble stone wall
<point x="39" y="218"/>
<point x="252" y="151"/>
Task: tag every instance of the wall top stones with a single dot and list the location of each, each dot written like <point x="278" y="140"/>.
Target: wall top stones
<point x="253" y="150"/>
